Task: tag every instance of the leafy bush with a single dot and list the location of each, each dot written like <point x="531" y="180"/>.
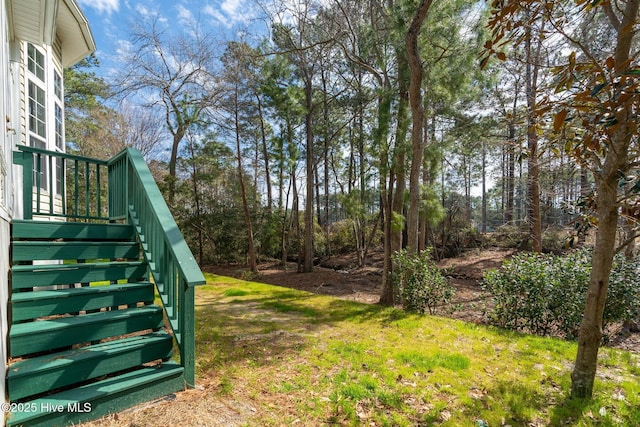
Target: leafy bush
<point x="419" y="283"/>
<point x="545" y="294"/>
<point x="341" y="237"/>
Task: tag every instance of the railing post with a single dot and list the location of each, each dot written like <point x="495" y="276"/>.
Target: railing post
<point x="188" y="322"/>
<point x="26" y="160"/>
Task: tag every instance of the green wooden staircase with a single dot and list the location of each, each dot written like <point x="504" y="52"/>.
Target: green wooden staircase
<point x="86" y="338"/>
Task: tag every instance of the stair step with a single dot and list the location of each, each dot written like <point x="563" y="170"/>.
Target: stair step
<point x="44" y="335"/>
<point x="44" y="373"/>
<point x="29" y="276"/>
<point x="31" y="305"/>
<point x="104" y="397"/>
<point x="34" y="250"/>
<point x="25" y="229"/>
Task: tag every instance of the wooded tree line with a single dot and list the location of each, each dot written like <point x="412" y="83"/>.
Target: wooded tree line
<point x="390" y="124"/>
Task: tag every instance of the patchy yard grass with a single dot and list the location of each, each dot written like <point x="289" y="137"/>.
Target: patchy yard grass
<point x="274" y="356"/>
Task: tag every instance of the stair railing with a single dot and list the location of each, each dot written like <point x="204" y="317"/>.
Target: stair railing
<point x="133" y="194"/>
<point x="120" y="189"/>
<point x="84" y="198"/>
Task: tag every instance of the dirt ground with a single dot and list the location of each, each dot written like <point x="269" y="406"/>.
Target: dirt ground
<point x="340" y="277"/>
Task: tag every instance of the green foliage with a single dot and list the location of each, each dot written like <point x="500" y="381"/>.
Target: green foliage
<point x="419" y="283"/>
<point x="456" y="233"/>
<point x="341" y="236"/>
<point x="84" y="90"/>
<point x="545" y="294"/>
<point x="268" y="234"/>
<point x="341" y="233"/>
<point x="397" y="221"/>
<point x="430" y="206"/>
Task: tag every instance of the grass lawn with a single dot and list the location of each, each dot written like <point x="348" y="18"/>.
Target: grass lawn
<point x="268" y="355"/>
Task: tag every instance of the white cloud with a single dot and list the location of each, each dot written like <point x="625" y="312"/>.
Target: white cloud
<point x="149" y="13"/>
<point x="102" y="6"/>
<point x="217" y="15"/>
<point x="231" y="7"/>
<point x="144" y="11"/>
<point x="230" y="12"/>
<point x="123" y="48"/>
<point x="185" y="16"/>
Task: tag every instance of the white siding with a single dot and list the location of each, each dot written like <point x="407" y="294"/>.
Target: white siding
<point x="4" y="302"/>
<point x="6" y="88"/>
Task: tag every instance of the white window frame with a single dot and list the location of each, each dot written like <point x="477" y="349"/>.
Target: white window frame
<point x="46" y="77"/>
<point x="58" y="129"/>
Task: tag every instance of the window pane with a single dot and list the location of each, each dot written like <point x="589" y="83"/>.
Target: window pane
<point x="35" y="61"/>
<point x="37" y="143"/>
<point x="59" y="128"/>
<point x="37" y="111"/>
<point x="59" y="176"/>
<point x="57" y="85"/>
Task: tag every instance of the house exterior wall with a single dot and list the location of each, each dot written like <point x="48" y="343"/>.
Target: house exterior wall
<point x="74" y="36"/>
<point x="5" y="192"/>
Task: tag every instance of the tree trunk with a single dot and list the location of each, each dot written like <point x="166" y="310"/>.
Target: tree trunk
<point x="362" y="217"/>
<point x="308" y="206"/>
<point x="511" y="158"/>
<point x="417" y="111"/>
<point x="251" y="254"/>
<point x="422" y="226"/>
<point x="382" y="131"/>
<point x="265" y="155"/>
<point x="325" y="158"/>
<point x="615" y="163"/>
<point x="484" y="188"/>
<point x="590" y="333"/>
<point x="532" y="65"/>
<point x="295" y="220"/>
<point x="286" y="230"/>
<point x="173" y="161"/>
<point x="395" y="198"/>
<point x="397" y="174"/>
<point x="196" y="199"/>
<point x="511" y="175"/>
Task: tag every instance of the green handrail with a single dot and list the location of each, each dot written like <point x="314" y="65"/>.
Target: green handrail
<point x="133" y="194"/>
<point x="134" y="197"/>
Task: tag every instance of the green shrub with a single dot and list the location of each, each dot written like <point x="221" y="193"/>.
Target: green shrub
<point x="545" y="294"/>
<point x="341" y="237"/>
<point x="419" y="284"/>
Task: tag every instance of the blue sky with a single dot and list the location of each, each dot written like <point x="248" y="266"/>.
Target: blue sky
<point x="110" y="20"/>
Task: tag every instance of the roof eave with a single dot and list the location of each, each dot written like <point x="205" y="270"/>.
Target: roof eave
<point x="42" y="21"/>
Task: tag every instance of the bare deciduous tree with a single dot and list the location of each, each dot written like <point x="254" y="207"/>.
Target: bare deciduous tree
<point x="175" y="76"/>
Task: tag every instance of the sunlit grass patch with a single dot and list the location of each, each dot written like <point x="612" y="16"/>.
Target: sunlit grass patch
<point x="317" y="360"/>
<point x="282" y="307"/>
<point x="234" y="292"/>
<point x="424" y="362"/>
